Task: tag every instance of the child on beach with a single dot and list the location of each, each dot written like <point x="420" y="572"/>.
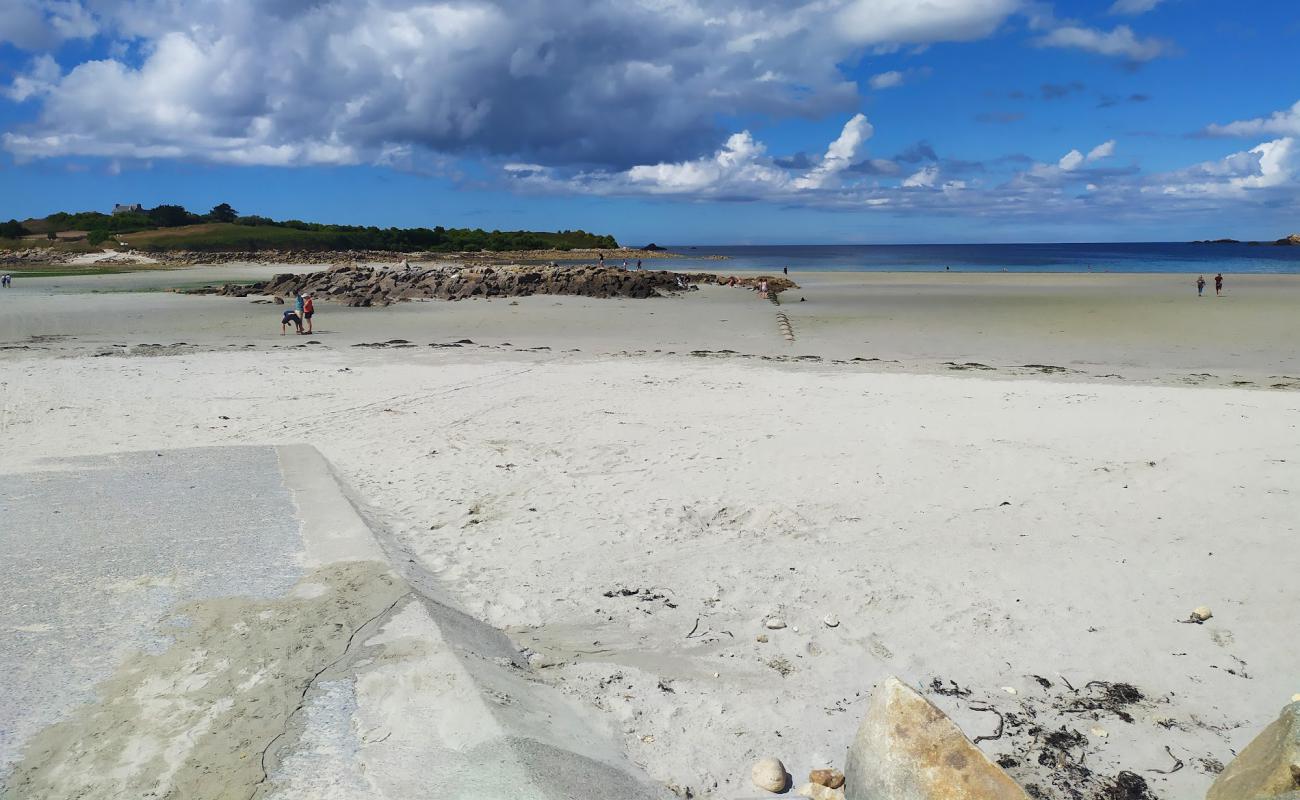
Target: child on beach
<point x="290" y="317"/>
<point x="308" y="308"/>
<point x="1200" y="285"/>
<point x="1218" y="285"/>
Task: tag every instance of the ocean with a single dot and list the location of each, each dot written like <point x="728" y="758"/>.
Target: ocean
<point x="1160" y="257"/>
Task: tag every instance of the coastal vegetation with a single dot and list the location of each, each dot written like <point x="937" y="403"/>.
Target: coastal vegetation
<point x="173" y="227"/>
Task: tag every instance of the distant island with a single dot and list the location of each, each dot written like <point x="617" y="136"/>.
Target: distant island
<point x="173" y="228"/>
<point x="1286" y="241"/>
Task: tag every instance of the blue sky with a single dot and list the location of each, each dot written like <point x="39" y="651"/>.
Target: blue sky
<point x="682" y="121"/>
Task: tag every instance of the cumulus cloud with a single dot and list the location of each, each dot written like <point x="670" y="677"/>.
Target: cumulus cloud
<point x="1285" y="123"/>
<point x="44" y="24"/>
<point x="840" y="155"/>
<point x="1264" y="169"/>
<point x="602" y="83"/>
<point x="1121" y="42"/>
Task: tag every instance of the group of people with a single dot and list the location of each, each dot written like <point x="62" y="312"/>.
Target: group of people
<point x="600" y="262"/>
<point x="300" y="315"/>
<point x="1218" y="285"/>
<point x="6" y="281"/>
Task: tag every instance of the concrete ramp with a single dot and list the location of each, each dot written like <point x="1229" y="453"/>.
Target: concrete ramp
<point x="223" y="623"/>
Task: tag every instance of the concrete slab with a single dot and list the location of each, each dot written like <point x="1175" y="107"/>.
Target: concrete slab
<point x="224" y="622"/>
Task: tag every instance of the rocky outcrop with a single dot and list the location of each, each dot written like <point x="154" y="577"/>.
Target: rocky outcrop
<point x="1289" y="241"/>
<point x="907" y="749"/>
<point x="367" y="286"/>
<point x="1269" y="767"/>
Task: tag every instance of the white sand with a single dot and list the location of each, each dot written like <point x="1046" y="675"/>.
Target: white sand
<point x="532" y="483"/>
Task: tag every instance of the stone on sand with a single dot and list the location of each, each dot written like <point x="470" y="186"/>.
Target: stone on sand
<point x="770" y="774"/>
<point x="1201" y="613"/>
<point x="819" y="792"/>
<point x="907" y="749"/>
<point x="1269" y="767"/>
<point x="827" y="777"/>
<point x="774" y="623"/>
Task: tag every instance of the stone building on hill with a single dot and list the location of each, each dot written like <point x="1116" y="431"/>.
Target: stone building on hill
<point x="130" y="208"/>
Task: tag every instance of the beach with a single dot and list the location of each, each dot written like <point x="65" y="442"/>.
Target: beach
<point x="1008" y="490"/>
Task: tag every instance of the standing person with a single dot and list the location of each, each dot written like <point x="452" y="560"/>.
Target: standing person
<point x="308" y="308"/>
<point x="1200" y="285"/>
<point x="1218" y="285"/>
<point x="601" y="262"/>
<point x="786" y="270"/>
<point x="625" y="265"/>
<point x="638" y="265"/>
<point x="298" y="303"/>
<point x="290" y="317"/>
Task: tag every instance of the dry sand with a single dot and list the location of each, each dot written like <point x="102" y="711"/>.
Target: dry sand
<point x="633" y="517"/>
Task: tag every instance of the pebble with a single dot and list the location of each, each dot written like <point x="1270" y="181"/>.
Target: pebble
<point x="1201" y="613"/>
<point x="774" y="623"/>
<point x="831" y="621"/>
<point x="827" y="777"/>
<point x="1010" y="690"/>
<point x="1099" y="732"/>
<point x="769" y="774"/>
<point x="1295" y="698"/>
<point x="761" y="638"/>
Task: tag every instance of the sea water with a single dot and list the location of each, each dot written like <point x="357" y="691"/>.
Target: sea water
<point x="1162" y="257"/>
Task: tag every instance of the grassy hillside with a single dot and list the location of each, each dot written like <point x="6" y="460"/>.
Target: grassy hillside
<point x="225" y="236"/>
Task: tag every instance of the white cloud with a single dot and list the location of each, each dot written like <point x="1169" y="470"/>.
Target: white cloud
<point x="1120" y="42"/>
<point x="1071" y="161"/>
<point x="1268" y="167"/>
<point x="298" y="81"/>
<point x="887" y="80"/>
<point x="1284" y="123"/>
<point x="911" y="22"/>
<point x="923" y="178"/>
<point x="44" y="24"/>
<point x="840" y="155"/>
<point x="1133" y="6"/>
<point x="1104" y="150"/>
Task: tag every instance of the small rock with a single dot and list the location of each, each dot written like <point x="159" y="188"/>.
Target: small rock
<point x="1010" y="690"/>
<point x="770" y="774"/>
<point x="1201" y="614"/>
<point x="831" y="621"/>
<point x="1099" y="732"/>
<point x="818" y="792"/>
<point x="774" y="623"/>
<point x="761" y="638"/>
<point x="827" y="777"/>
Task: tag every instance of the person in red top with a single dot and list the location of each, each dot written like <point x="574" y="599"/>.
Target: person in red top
<point x="1218" y="284"/>
<point x="308" y="308"/>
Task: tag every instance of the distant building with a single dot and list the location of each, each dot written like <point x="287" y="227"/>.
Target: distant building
<point x="127" y="209"/>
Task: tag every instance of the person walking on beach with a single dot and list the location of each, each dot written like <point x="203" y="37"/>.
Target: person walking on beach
<point x="638" y="265"/>
<point x="1218" y="285"/>
<point x="785" y="270"/>
<point x="308" y="308"/>
<point x="1200" y="285"/>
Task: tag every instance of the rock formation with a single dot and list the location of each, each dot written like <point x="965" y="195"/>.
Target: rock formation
<point x="907" y="749"/>
<point x="1289" y="241"/>
<point x="1269" y="767"/>
<point x="367" y="286"/>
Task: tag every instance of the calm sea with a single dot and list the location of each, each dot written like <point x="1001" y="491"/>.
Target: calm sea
<point x="1127" y="257"/>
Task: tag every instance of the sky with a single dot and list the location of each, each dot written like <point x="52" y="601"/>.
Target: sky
<point x="673" y="121"/>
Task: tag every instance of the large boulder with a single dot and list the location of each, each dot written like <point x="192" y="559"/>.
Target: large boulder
<point x="907" y="749"/>
<point x="1269" y="767"/>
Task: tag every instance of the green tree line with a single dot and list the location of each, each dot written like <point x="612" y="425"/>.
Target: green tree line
<point x="318" y="236"/>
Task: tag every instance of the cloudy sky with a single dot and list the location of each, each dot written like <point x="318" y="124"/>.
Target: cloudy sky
<point x="685" y="121"/>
